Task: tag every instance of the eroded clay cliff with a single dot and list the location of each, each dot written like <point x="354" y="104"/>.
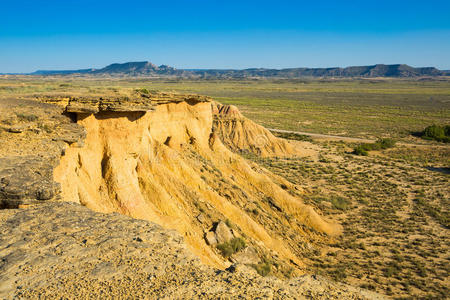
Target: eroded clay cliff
<point x="166" y="164"/>
<point x="243" y="135"/>
<point x="160" y="157"/>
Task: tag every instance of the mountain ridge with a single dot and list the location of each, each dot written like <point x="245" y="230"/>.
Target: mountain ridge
<point x="146" y="68"/>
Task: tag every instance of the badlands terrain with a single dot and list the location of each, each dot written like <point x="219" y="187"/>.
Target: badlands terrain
<point x="112" y="188"/>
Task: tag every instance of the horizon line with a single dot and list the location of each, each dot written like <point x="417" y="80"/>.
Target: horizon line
<point x="201" y="69"/>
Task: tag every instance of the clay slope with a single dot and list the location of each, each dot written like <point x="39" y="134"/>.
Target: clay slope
<point x="243" y="135"/>
<point x="79" y="254"/>
<point x="167" y="165"/>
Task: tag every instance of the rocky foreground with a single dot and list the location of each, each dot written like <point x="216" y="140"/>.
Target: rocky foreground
<point x="66" y="251"/>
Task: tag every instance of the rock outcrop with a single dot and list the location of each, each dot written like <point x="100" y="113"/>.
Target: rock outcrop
<point x="139" y="101"/>
<point x="167" y="166"/>
<point x="223" y="233"/>
<point x="243" y="135"/>
<point x="29" y="155"/>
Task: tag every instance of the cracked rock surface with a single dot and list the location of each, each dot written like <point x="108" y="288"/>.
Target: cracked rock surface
<point x="33" y="136"/>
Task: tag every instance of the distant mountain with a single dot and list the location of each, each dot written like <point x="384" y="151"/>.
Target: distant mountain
<point x="139" y="68"/>
<point x="361" y="71"/>
<point x="146" y="68"/>
<point x="61" y="72"/>
<point x="127" y="69"/>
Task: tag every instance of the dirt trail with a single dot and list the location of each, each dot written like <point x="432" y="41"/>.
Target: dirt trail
<point x="348" y="139"/>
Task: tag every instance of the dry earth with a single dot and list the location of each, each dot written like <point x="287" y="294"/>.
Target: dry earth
<point x="66" y="251"/>
<point x="394" y="208"/>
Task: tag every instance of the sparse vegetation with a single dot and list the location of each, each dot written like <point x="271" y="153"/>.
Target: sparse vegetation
<point x="264" y="268"/>
<point x="395" y="196"/>
<point x="340" y="203"/>
<point x="45" y="127"/>
<point x="233" y="246"/>
<point x="350" y="107"/>
<point x="27" y="117"/>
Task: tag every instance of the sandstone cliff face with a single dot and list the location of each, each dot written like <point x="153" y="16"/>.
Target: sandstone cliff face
<point x="165" y="164"/>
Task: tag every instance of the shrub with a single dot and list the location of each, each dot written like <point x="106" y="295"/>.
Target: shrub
<point x="437" y="133"/>
<point x="263" y="268"/>
<point x="293" y="136"/>
<point x="385" y="143"/>
<point x="359" y="150"/>
<point x="45" y="127"/>
<point x="340" y="203"/>
<point x="143" y="91"/>
<point x="228" y="222"/>
<point x="380" y="144"/>
<point x="234" y="245"/>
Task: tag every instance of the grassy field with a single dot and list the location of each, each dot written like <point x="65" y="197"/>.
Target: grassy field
<point x="355" y="108"/>
<point x="394" y="207"/>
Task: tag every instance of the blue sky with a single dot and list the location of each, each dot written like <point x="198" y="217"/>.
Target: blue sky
<point x="71" y="34"/>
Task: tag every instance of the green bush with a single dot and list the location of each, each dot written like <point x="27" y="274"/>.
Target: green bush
<point x="437" y="133"/>
<point x="234" y="245"/>
<point x="292" y="136"/>
<point x="380" y="144"/>
<point x="359" y="150"/>
<point x="143" y="91"/>
<point x="263" y="268"/>
<point x="385" y="143"/>
<point x="340" y="203"/>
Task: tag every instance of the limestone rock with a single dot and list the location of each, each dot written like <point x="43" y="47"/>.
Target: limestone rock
<point x="125" y="166"/>
<point x="210" y="238"/>
<point x="27" y="160"/>
<point x="23" y="180"/>
<point x="19" y="128"/>
<point x="222" y="232"/>
<point x="247" y="256"/>
<point x="241" y="268"/>
<point x="71" y="133"/>
<point x="226" y="111"/>
<point x="137" y="102"/>
<point x="201" y="218"/>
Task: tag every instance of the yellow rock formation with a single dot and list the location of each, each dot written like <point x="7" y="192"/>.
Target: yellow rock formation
<point x="166" y="165"/>
<point x="242" y="134"/>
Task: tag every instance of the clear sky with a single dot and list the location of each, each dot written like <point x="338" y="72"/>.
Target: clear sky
<point x="72" y="34"/>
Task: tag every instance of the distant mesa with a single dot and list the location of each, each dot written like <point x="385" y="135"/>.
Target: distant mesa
<point x="62" y="72"/>
<point x="146" y="68"/>
<point x="129" y="69"/>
